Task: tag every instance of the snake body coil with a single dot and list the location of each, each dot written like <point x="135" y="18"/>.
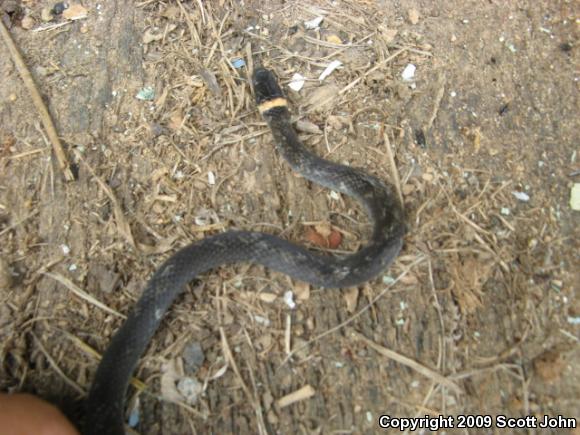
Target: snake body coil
<point x="105" y="403"/>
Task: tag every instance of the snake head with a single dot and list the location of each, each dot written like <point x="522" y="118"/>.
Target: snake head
<point x="266" y="85"/>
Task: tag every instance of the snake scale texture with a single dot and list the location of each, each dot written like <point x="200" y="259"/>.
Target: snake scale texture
<point x="106" y="399"/>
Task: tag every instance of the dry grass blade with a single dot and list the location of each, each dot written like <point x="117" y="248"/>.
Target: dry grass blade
<point x="56" y="368"/>
<point x="232" y="362"/>
<point x="419" y="368"/>
<point x="358" y="314"/>
<point x="122" y="224"/>
<point x="82" y="294"/>
<point x="84" y="347"/>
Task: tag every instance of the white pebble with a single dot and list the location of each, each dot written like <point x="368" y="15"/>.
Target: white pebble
<point x="297" y="82"/>
<point x="409" y="72"/>
<point x="522" y="196"/>
<point x="289" y="299"/>
<point x="313" y="23"/>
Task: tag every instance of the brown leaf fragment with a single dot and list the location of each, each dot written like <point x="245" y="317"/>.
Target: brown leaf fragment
<point x="351" y="298"/>
<point x="413" y="16"/>
<point x="316" y="238"/>
<point x="323" y="97"/>
<point x="334" y="239"/>
<point x="549" y="365"/>
<point x="75" y="12"/>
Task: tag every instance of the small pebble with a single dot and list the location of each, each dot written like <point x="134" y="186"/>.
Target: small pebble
<point x="193" y="356"/>
<point x="409" y="72"/>
<point x="297" y="82"/>
<point x="314" y="23"/>
<point x="289" y="299"/>
<point x="522" y="196"/>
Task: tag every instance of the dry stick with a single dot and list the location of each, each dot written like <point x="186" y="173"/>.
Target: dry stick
<point x="40" y="106"/>
<point x="437" y="105"/>
<point x="394" y="172"/>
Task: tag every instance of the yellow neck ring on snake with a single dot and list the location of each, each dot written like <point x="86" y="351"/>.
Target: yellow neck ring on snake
<point x="272" y="104"/>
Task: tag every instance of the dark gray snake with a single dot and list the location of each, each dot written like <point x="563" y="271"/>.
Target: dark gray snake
<point x="105" y="403"/>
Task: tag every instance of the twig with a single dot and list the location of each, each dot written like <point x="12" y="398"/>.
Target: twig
<point x="40" y="106"/>
<point x="437" y="104"/>
<point x="306" y="392"/>
<point x="394" y="171"/>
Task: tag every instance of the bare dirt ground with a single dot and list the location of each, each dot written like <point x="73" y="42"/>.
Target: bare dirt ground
<point x="485" y="140"/>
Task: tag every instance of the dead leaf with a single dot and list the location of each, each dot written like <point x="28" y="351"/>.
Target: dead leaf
<point x="267" y="297"/>
<point x="413" y="15"/>
<point x="302" y="290"/>
<point x="169" y="378"/>
<point x="324" y="236"/>
<point x="175" y="120"/>
<point x="388" y="34"/>
<point x="151" y="35"/>
<point x="351" y="299"/>
<point x="470" y="274"/>
<point x="549" y="365"/>
<point x="171" y="12"/>
<point x="316" y="238"/>
<point x="334" y="39"/>
<point x="160" y="248"/>
<point x="27" y="22"/>
<point x="324" y="229"/>
<point x="334" y="239"/>
<point x="308" y="127"/>
<point x="75" y="12"/>
<point x="322" y="97"/>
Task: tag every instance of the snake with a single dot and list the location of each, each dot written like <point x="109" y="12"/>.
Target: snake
<point x="105" y="404"/>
